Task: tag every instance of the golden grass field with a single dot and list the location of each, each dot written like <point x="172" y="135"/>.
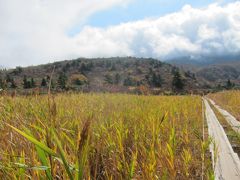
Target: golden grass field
<point x="103" y="136"/>
<point x="229" y="100"/>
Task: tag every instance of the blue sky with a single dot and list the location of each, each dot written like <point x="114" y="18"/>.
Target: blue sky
<point x="138" y="10"/>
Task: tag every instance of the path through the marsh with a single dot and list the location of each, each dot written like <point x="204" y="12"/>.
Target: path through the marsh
<point x="235" y="124"/>
<point x="226" y="162"/>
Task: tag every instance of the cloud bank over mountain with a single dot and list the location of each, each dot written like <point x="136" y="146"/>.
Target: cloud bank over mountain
<point x="190" y="32"/>
<point x="37" y="31"/>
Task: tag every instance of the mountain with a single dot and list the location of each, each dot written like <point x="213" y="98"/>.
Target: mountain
<point x="221" y="72"/>
<point x="119" y="74"/>
<point x="204" y="60"/>
<point x="213" y="72"/>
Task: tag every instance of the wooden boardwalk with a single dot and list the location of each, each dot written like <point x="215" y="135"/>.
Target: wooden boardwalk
<point x="226" y="162"/>
<point x="234" y="123"/>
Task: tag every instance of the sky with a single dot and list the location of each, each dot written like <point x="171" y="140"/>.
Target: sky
<point x="41" y="31"/>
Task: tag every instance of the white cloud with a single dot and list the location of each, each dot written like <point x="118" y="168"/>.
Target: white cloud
<point x="36" y="32"/>
<point x="214" y="30"/>
<point x="205" y="33"/>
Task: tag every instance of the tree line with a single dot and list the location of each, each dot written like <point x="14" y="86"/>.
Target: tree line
<point x="153" y="79"/>
<point x="29" y="82"/>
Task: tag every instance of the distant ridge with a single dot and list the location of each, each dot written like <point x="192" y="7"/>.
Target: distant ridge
<point x="117" y="74"/>
<point x="127" y="74"/>
<point x="212" y="71"/>
<point x="200" y="61"/>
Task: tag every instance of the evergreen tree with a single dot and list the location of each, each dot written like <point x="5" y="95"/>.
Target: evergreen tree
<point x="48" y="78"/>
<point x="8" y="78"/>
<point x="113" y="68"/>
<point x="2" y="84"/>
<point x="78" y="82"/>
<point x="129" y="81"/>
<point x="17" y="71"/>
<point x="25" y="82"/>
<point x="33" y="84"/>
<point x="83" y="67"/>
<point x="13" y="84"/>
<point x="108" y="79"/>
<point x="44" y="82"/>
<point x="48" y="82"/>
<point x="117" y="78"/>
<point x="90" y="65"/>
<point x="156" y="80"/>
<point x="229" y="84"/>
<point x="177" y="82"/>
<point x="62" y="81"/>
<point x="52" y="84"/>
